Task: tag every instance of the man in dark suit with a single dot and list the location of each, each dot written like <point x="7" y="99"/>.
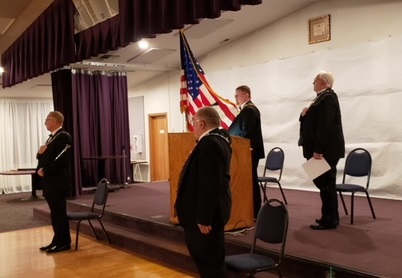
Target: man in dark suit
<point x="54" y="170"/>
<point x="247" y="124"/>
<point x="204" y="199"/>
<point x="321" y="136"/>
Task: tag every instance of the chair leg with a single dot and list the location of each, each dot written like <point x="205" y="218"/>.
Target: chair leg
<point x="264" y="191"/>
<point x="343" y="202"/>
<point x="279" y="273"/>
<point x="352" y="208"/>
<point x="104" y="231"/>
<point x="76" y="234"/>
<point x="283" y="194"/>
<point x="371" y="206"/>
<point x="251" y="275"/>
<point x="93" y="230"/>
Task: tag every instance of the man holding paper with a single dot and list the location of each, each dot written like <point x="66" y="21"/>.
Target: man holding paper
<point x="321" y="137"/>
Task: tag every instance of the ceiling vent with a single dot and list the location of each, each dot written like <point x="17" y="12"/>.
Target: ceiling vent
<point x="205" y="27"/>
<point x="151" y="55"/>
<point x="90" y="12"/>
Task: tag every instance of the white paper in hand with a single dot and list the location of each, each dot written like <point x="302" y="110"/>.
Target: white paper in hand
<point x="315" y="167"/>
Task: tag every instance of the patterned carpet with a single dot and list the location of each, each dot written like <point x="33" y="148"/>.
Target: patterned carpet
<point x="16" y="212"/>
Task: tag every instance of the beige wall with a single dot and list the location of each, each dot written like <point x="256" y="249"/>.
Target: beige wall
<point x="358" y="23"/>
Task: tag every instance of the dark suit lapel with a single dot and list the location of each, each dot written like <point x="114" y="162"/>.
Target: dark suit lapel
<point x="184" y="168"/>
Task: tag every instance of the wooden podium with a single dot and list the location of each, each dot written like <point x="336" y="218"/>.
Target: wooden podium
<point x="181" y="145"/>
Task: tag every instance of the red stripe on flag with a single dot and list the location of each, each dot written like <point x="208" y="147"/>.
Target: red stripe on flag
<point x="194" y="83"/>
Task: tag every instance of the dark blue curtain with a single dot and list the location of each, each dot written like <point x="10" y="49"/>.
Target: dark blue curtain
<point x="97" y="107"/>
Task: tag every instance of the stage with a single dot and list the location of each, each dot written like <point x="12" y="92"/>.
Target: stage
<point x="369" y="248"/>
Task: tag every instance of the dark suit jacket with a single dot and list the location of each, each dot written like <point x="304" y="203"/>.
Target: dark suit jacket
<point x="55" y="162"/>
<point x="321" y="128"/>
<point x="247" y="124"/>
<point x="204" y="195"/>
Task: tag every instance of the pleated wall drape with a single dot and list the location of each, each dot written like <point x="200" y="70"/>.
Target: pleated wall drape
<point x="22" y="131"/>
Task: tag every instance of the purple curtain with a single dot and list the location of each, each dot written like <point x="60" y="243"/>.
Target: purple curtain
<point x="49" y="43"/>
<point x="46" y="45"/>
<point x="139" y="19"/>
<point x="95" y="106"/>
<point x="62" y="101"/>
<point x="98" y="39"/>
<point x="101" y="103"/>
<point x="147" y="18"/>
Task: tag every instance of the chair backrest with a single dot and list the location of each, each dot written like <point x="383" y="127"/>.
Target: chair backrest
<point x="272" y="224"/>
<point x="358" y="164"/>
<point x="274" y="161"/>
<point x="101" y="194"/>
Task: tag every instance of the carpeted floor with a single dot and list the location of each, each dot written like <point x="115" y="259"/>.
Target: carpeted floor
<point x="369" y="246"/>
<point x="17" y="214"/>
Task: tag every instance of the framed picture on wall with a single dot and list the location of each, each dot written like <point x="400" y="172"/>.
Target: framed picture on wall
<point x="319" y="29"/>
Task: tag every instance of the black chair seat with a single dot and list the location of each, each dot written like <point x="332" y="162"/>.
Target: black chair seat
<point x="358" y="165"/>
<point x="248" y="262"/>
<point x="82" y="215"/>
<point x="267" y="179"/>
<point x="271" y="228"/>
<point x="96" y="212"/>
<point x="273" y="165"/>
<point x="350" y="188"/>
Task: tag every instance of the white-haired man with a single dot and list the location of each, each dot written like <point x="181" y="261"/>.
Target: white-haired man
<point x="321" y="136"/>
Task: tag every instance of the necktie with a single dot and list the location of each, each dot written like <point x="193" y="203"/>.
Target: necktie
<point x="50" y="138"/>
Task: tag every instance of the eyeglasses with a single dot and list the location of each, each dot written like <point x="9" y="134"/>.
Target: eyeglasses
<point x="193" y="121"/>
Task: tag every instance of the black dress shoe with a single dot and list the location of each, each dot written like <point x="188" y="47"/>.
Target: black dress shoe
<point x="45" y="248"/>
<point x="56" y="249"/>
<point x="319" y="221"/>
<point x="322" y="227"/>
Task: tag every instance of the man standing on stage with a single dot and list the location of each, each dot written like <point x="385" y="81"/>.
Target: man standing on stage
<point x="55" y="174"/>
<point x="247" y="124"/>
<point x="321" y="136"/>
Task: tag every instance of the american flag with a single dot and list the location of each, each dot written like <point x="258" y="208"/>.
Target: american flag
<point x="195" y="91"/>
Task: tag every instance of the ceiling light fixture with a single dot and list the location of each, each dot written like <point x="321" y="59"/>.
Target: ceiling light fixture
<point x="143" y="44"/>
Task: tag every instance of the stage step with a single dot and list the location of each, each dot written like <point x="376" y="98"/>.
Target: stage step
<point x="165" y="243"/>
<point x="138" y="238"/>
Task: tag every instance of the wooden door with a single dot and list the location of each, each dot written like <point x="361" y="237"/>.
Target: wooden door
<point x="158" y="147"/>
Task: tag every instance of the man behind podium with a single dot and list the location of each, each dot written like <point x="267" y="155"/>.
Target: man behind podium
<point x="54" y="170"/>
<point x="247" y="124"/>
<point x="204" y="200"/>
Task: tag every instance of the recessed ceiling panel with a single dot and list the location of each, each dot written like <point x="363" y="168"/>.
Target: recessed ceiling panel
<point x="150" y="56"/>
<point x="206" y="27"/>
